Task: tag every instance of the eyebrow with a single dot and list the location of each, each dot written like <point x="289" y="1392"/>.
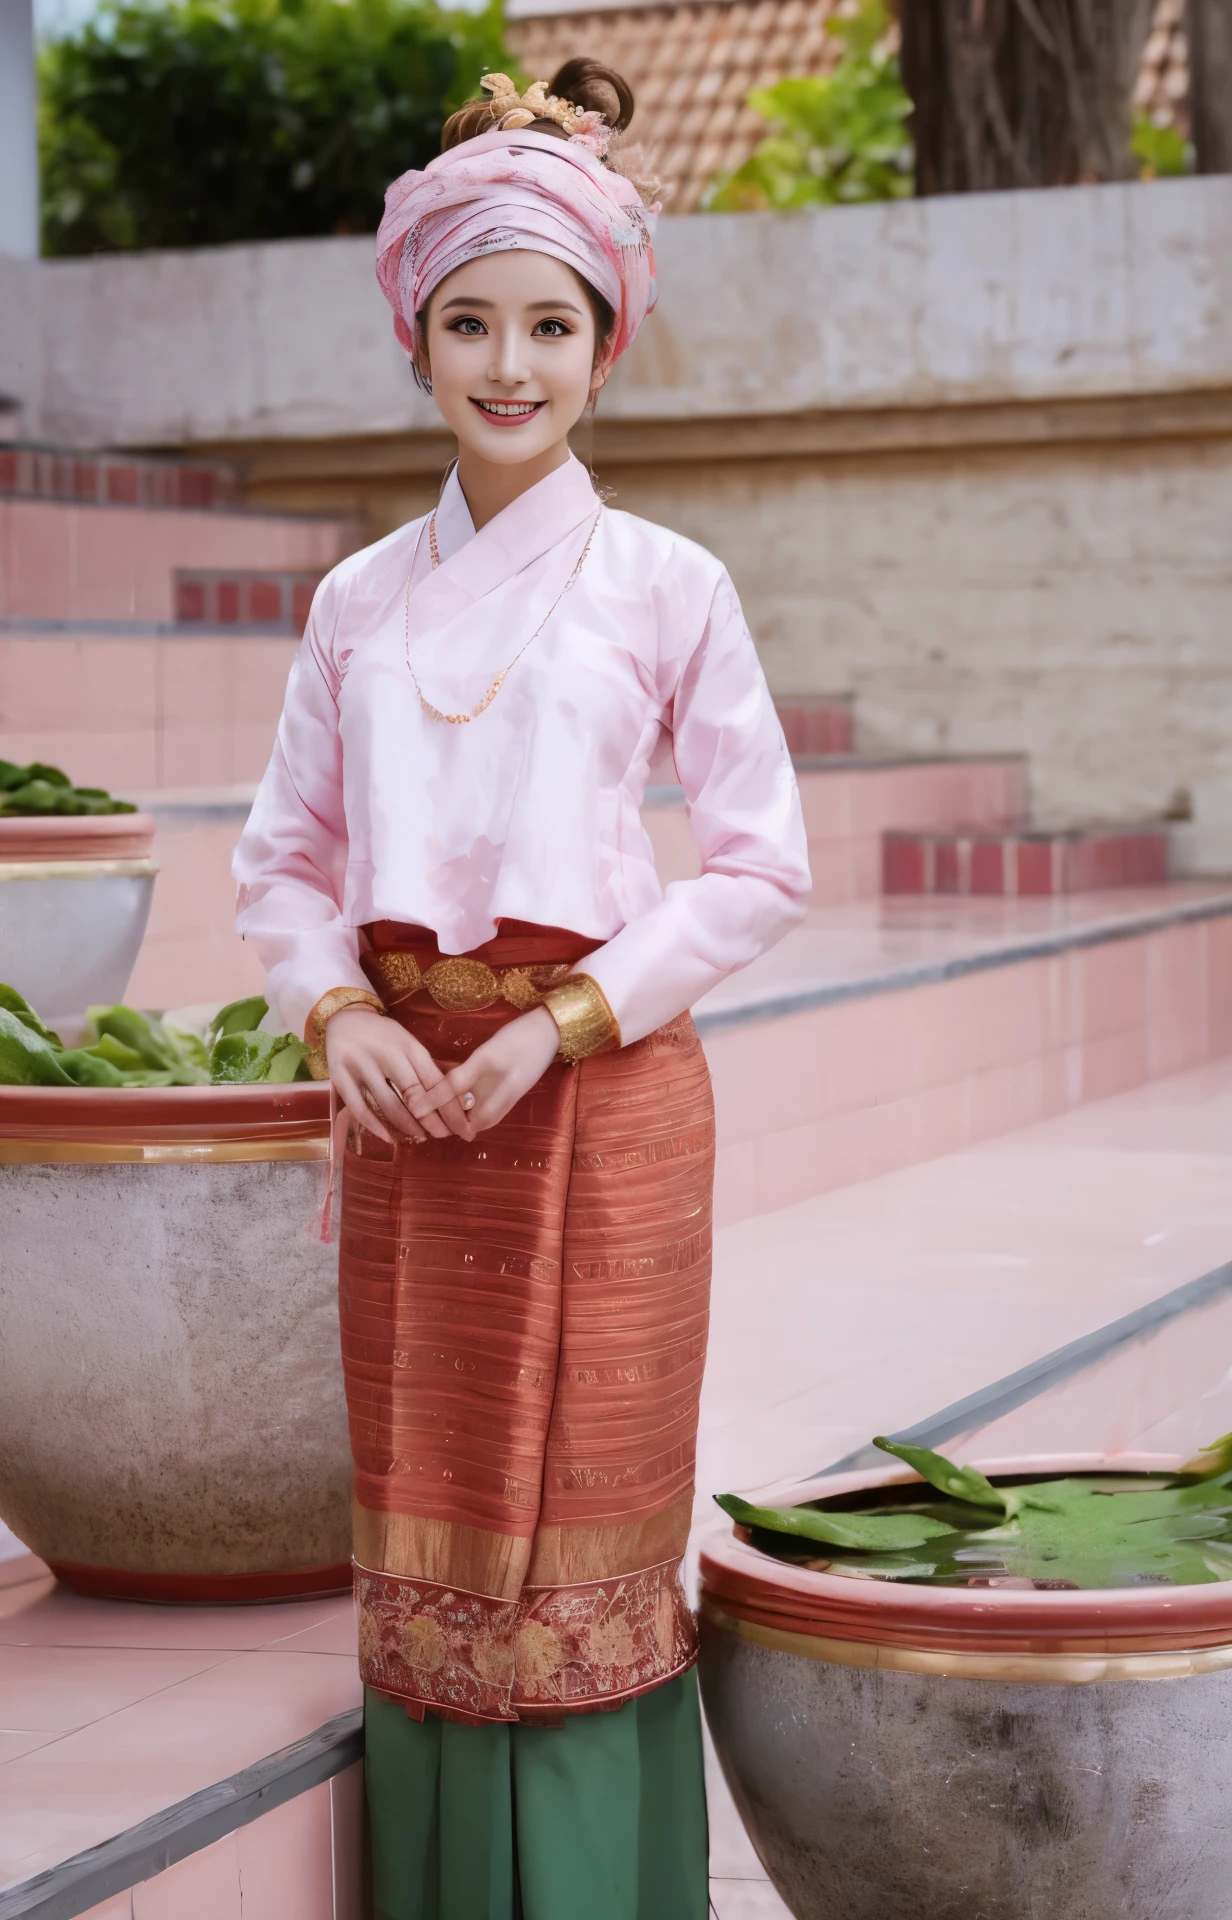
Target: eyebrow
<point x="536" y="306"/>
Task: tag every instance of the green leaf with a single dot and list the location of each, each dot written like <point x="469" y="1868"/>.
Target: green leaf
<point x="132" y="1030"/>
<point x="87" y="1068"/>
<point x="873" y="1533"/>
<point x="36" y="797"/>
<point x="961" y="1483"/>
<point x="159" y="1048"/>
<point x="127" y="1059"/>
<point x="1214" y="1461"/>
<point x="13" y="1002"/>
<point x="239" y="1016"/>
<point x="1162" y="151"/>
<point x="27" y="1059"/>
<point x="54" y="776"/>
<point x="836" y="139"/>
<point x="289" y="1062"/>
<point x="241" y="1058"/>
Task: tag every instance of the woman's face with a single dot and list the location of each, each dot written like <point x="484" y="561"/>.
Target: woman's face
<point x="511" y="353"/>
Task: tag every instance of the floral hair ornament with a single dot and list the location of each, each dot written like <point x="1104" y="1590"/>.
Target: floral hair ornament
<point x="517" y="189"/>
<point x="511" y="110"/>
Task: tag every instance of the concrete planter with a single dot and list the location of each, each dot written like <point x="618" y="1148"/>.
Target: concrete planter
<point x="920" y="1753"/>
<point x="172" y="1423"/>
<point x="74" y="901"/>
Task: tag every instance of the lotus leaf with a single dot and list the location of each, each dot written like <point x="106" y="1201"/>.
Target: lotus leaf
<point x="961" y="1483"/>
<point x="881" y="1533"/>
<point x="1081" y="1530"/>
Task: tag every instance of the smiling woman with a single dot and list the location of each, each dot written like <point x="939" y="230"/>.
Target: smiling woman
<point x="511" y="342"/>
<point x="447" y="876"/>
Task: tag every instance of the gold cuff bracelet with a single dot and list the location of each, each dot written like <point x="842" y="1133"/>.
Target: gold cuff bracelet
<point x="586" y="1022"/>
<point x="326" y="1007"/>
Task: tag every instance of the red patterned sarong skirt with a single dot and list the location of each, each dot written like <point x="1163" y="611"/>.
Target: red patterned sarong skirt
<point x="524" y="1327"/>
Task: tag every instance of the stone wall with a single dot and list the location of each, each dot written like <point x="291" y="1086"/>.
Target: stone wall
<point x="1072" y="600"/>
<point x="970" y="459"/>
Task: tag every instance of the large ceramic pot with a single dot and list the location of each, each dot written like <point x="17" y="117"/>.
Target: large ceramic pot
<point x="74" y="901"/>
<point x="923" y="1753"/>
<point x="171" y="1413"/>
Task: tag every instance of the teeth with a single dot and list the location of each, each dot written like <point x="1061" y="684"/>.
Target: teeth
<point x="508" y="406"/>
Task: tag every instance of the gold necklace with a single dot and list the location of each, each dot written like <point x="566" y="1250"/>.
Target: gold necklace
<point x="464" y="719"/>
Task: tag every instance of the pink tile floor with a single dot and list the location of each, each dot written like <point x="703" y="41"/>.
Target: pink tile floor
<point x="850" y="1313"/>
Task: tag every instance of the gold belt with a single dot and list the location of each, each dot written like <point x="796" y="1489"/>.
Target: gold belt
<point x="465" y="986"/>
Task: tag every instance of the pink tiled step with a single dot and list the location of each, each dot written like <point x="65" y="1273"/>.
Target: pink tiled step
<point x="817" y="723"/>
<point x="136" y="711"/>
<point x="1036" y="861"/>
<point x="65" y="563"/>
<point x="279" y="602"/>
<point x="113" y="479"/>
<point x="885" y="1033"/>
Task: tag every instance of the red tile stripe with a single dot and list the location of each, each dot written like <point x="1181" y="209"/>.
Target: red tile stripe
<point x="817" y="723"/>
<point x="42" y="473"/>
<point x="1040" y="863"/>
<point x="279" y="602"/>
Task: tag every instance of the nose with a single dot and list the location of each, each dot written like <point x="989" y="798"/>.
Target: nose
<point x="508" y="366"/>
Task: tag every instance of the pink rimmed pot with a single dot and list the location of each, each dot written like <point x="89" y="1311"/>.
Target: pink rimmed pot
<point x="75" y="897"/>
<point x="172" y="1424"/>
<point x="904" y="1752"/>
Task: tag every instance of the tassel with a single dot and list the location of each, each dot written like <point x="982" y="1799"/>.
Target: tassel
<point x="339" y="1124"/>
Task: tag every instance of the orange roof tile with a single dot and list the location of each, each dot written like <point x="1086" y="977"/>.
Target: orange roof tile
<point x="691" y="68"/>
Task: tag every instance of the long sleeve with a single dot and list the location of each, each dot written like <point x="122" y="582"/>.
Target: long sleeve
<point x="745" y="815"/>
<point x="290" y="865"/>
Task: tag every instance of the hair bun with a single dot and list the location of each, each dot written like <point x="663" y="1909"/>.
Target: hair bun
<point x="588" y="84"/>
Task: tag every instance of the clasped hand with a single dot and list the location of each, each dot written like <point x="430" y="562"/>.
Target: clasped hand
<point x="388" y="1081"/>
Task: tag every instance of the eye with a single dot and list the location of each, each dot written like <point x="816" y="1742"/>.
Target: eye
<point x="552" y="330"/>
<point x="468" y="324"/>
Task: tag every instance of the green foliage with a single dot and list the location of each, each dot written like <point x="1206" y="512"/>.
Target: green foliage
<point x="877" y="1532"/>
<point x="1092" y="1530"/>
<point x="27" y="792"/>
<point x="1160" y="151"/>
<point x="174" y="123"/>
<point x="839" y="139"/>
<point x="960" y="1483"/>
<point x="132" y="1049"/>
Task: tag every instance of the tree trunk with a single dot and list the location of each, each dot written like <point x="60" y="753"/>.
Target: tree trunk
<point x="1208" y="24"/>
<point x="1022" y="93"/>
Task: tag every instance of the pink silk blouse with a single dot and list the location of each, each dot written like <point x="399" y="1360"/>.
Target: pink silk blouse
<point x="372" y="810"/>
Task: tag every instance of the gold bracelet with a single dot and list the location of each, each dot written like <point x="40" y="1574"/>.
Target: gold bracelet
<point x="326" y="1007"/>
<point x="586" y="1022"/>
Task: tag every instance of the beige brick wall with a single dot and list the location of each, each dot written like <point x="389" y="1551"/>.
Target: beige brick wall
<point x="1074" y="601"/>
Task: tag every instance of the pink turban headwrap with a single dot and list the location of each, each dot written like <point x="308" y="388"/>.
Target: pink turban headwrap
<point x="506" y="190"/>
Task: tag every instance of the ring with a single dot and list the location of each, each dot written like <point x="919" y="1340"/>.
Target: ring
<point x="468" y="1101"/>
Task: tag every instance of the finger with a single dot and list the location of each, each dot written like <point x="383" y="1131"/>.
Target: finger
<point x="423" y="1065"/>
<point x="348" y="1091"/>
<point x="388" y="1104"/>
<point x="430" y="1122"/>
<point x="449" y="1099"/>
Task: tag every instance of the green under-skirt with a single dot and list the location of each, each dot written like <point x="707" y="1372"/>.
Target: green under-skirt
<point x="603" y="1817"/>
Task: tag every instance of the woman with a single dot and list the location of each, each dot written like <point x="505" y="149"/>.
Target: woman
<point x="447" y="876"/>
